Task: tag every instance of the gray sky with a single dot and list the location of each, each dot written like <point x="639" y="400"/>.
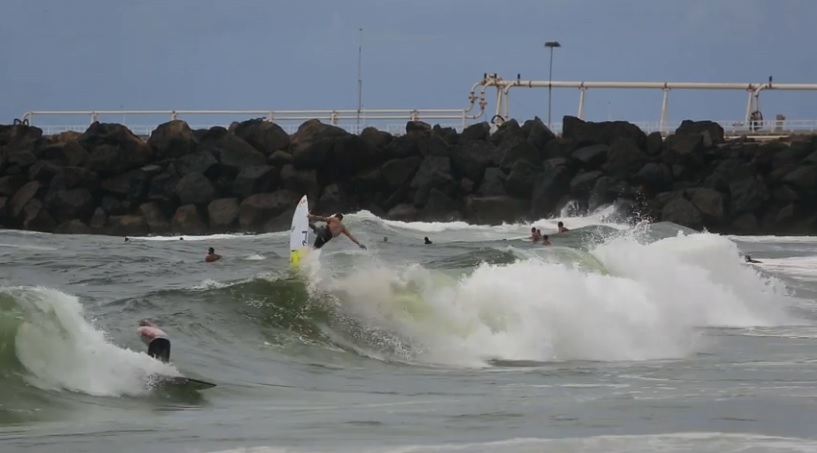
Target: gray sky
<point x="274" y="54"/>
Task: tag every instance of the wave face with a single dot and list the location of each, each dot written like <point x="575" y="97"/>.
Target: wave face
<point x="478" y="301"/>
<point x="47" y="341"/>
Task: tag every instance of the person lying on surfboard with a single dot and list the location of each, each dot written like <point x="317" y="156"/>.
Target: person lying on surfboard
<point x="156" y="339"/>
<point x="333" y="228"/>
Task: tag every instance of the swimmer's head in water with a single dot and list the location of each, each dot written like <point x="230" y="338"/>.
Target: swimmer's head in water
<point x="211" y="250"/>
<point x="144" y="323"/>
<point x="338" y="216"/>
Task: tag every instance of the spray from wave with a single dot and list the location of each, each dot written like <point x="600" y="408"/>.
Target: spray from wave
<point x="47" y="341"/>
<point x="639" y="301"/>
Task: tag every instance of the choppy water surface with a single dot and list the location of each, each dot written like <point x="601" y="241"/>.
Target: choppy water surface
<point x="615" y="339"/>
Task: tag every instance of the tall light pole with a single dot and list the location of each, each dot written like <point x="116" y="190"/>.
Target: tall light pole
<point x="552" y="45"/>
<point x="359" y="77"/>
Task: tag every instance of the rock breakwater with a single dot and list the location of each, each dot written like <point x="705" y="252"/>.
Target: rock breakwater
<point x="250" y="176"/>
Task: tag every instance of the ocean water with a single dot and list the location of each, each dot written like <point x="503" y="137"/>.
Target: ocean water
<point x="617" y="338"/>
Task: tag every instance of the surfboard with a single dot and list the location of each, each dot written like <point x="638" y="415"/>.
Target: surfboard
<point x="299" y="233"/>
<point x="181" y="382"/>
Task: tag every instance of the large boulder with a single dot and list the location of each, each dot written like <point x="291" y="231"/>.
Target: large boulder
<point x="132" y="186"/>
<point x="255" y="180"/>
<point x="624" y="159"/>
<point x="397" y="171"/>
<point x="36" y="217"/>
<point x="257" y="210"/>
<point x="72" y="204"/>
<point x="223" y="214"/>
<point x="155" y="217"/>
<point x="197" y="162"/>
<point x="187" y="220"/>
<point x="114" y="148"/>
<point x="583" y="132"/>
<point x="68" y="154"/>
<point x="493" y="183"/>
<point x="434" y="171"/>
<point x="195" y="188"/>
<point x="19" y="136"/>
<point x="470" y="158"/>
<point x="521" y="179"/>
<point x="710" y="204"/>
<point x="265" y="136"/>
<point x="496" y="210"/>
<point x="515" y="149"/>
<point x="313" y="143"/>
<point x="682" y="212"/>
<point x="592" y="157"/>
<point x="125" y="225"/>
<point x="172" y="140"/>
<point x="21" y="198"/>
<point x="73" y="227"/>
<point x="709" y="131"/>
<point x="748" y="195"/>
<point x="304" y="182"/>
<point x="233" y="152"/>
<point x="549" y="189"/>
<point x="334" y="199"/>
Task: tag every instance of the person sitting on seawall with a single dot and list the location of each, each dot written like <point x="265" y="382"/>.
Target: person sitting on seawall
<point x="211" y="256"/>
<point x="156" y="340"/>
<point x="562" y="227"/>
<point x="333" y="228"/>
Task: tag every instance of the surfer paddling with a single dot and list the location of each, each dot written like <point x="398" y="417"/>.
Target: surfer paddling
<point x="156" y="340"/>
<point x="333" y="228"/>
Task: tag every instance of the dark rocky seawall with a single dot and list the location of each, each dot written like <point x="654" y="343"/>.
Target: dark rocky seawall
<point x="249" y="177"/>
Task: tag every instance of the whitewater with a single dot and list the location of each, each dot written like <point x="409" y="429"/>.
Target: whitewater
<point x="617" y="337"/>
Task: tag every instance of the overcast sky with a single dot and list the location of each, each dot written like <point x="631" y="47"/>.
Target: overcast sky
<point x="274" y="54"/>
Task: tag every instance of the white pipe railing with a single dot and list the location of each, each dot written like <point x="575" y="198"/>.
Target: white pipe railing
<point x="334" y="117"/>
<point x="753" y="90"/>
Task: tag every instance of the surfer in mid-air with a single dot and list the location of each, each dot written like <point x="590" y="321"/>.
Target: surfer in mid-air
<point x="156" y="339"/>
<point x="333" y="228"/>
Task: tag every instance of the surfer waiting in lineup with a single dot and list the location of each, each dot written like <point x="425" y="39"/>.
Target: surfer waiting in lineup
<point x="156" y="340"/>
<point x="332" y="229"/>
<point x="211" y="255"/>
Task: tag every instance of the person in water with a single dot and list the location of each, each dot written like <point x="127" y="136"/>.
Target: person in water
<point x="156" y="339"/>
<point x="562" y="227"/>
<point x="545" y="240"/>
<point x="750" y="260"/>
<point x="211" y="256"/>
<point x="427" y="241"/>
<point x="333" y="228"/>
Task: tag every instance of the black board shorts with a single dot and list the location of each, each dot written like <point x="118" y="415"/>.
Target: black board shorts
<point x="323" y="236"/>
<point x="159" y="348"/>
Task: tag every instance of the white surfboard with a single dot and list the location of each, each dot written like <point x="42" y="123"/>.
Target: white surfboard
<point x="299" y="233"/>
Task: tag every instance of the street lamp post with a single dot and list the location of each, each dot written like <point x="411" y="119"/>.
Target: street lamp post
<point x="551" y="45"/>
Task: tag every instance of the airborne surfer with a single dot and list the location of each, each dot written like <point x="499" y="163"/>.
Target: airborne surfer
<point x="332" y="229"/>
<point x="156" y="339"/>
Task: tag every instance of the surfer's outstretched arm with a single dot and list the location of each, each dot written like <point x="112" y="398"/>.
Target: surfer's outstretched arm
<point x="349" y="235"/>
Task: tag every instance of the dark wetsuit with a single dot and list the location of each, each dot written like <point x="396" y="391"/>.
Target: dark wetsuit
<point x="159" y="348"/>
<point x="323" y="235"/>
